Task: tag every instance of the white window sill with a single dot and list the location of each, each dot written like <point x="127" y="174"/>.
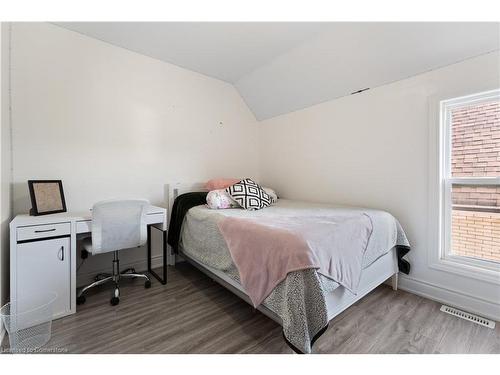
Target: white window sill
<point x="465" y="267"/>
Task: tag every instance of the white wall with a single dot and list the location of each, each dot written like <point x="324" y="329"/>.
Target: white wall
<point x="371" y="150"/>
<point x="113" y="123"/>
<point x="5" y="167"/>
<point x="5" y="175"/>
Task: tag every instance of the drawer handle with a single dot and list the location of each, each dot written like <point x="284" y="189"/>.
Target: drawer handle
<point x="45" y="230"/>
<point x="60" y="254"/>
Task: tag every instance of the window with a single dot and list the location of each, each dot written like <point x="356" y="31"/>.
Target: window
<point x="470" y="177"/>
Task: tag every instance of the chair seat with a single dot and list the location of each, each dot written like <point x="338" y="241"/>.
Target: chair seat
<point x="87" y="244"/>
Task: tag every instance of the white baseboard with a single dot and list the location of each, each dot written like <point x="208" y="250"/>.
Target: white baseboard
<point x="450" y="297"/>
<point x="139" y="265"/>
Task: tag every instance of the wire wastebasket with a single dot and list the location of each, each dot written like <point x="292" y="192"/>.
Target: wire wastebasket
<point x="28" y="322"/>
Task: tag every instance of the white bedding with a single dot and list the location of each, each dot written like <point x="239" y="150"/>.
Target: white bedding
<point x="201" y="233"/>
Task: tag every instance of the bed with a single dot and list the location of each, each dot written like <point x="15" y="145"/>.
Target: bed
<point x="306" y="300"/>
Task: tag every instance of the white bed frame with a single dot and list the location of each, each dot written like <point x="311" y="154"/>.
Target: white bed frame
<point x="384" y="268"/>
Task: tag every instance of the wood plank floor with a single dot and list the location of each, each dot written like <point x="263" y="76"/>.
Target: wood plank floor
<point x="192" y="314"/>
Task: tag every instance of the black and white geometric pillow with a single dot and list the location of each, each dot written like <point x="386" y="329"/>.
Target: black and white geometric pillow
<point x="250" y="195"/>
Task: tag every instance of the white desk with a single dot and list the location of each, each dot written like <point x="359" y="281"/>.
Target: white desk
<point x="43" y="254"/>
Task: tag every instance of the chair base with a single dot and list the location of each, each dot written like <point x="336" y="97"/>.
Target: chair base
<point x="114" y="277"/>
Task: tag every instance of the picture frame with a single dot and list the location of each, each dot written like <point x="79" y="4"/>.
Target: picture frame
<point x="47" y="197"/>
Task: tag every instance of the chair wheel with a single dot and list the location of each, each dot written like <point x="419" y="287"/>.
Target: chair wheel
<point x="80" y="300"/>
<point x="114" y="301"/>
<point x="147" y="284"/>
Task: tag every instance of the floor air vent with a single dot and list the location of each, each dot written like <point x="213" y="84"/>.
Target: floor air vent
<point x="468" y="316"/>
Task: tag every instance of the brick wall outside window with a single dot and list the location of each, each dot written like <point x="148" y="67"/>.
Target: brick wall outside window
<point x="476" y="153"/>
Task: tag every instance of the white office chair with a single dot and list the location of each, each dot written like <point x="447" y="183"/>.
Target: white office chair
<point x="116" y="225"/>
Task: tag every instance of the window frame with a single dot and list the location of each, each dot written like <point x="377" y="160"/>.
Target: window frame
<point x="484" y="268"/>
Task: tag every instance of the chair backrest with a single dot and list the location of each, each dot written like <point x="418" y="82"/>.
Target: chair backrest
<point x="118" y="224"/>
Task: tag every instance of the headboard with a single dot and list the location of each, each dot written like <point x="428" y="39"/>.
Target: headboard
<point x="173" y="190"/>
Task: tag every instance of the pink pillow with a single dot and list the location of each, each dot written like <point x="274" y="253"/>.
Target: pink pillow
<point x="220" y="183"/>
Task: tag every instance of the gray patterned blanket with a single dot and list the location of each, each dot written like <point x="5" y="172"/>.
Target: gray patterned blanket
<point x="299" y="300"/>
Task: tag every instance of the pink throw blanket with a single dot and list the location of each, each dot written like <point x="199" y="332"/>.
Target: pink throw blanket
<point x="266" y="249"/>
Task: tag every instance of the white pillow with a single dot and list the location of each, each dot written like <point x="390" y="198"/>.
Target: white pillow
<point x="272" y="193"/>
<point x="220" y="199"/>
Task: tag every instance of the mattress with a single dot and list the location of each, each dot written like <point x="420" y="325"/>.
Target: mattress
<point x="202" y="239"/>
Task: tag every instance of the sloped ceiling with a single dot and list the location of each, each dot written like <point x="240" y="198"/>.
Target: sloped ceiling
<point x="282" y="67"/>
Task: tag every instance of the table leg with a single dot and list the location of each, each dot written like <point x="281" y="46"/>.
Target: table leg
<point x="163" y="279"/>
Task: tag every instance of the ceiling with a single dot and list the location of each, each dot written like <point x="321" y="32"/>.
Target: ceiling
<point x="226" y="51"/>
<point x="282" y="67"/>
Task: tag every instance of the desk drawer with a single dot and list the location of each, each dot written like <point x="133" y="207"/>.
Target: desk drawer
<point x="42" y="231"/>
